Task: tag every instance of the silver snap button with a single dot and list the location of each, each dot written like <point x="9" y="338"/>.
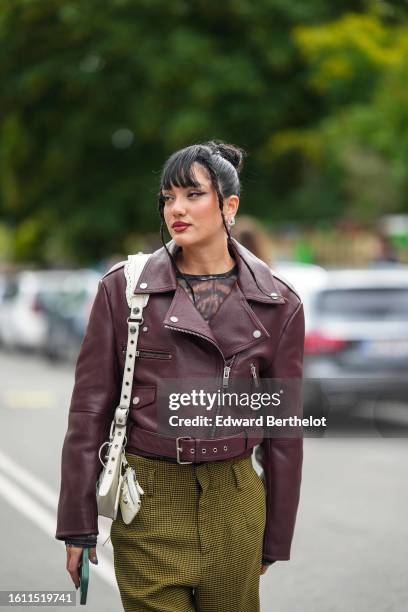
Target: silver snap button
<point x="136" y="399"/>
<point x="143" y="285"/>
<point x="273" y="294"/>
<point x="256" y="333"/>
<point x="174" y="319"/>
<point x="145" y="328"/>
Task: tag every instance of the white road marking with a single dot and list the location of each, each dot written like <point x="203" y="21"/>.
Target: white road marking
<point x="29" y="481"/>
<point x="38" y="488"/>
<point x="32" y="399"/>
<point x="18" y="497"/>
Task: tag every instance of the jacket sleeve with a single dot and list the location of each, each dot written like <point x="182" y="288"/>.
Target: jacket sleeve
<point x="281" y="457"/>
<point x="95" y="395"/>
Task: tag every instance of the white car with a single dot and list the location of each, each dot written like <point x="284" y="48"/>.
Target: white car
<point x="23" y="322"/>
<point x="306" y="279"/>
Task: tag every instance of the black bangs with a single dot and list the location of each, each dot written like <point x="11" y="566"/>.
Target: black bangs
<point x="178" y="171"/>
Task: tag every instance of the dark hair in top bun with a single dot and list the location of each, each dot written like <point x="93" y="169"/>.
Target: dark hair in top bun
<point x="235" y="155"/>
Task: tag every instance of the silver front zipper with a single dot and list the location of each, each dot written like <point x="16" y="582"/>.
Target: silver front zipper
<point x="226" y="372"/>
<point x="225" y="377"/>
<point x="254" y="375"/>
<point x="225" y="382"/>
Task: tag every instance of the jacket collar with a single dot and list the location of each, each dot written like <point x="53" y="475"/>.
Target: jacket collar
<point x="159" y="276"/>
<point x="234" y="315"/>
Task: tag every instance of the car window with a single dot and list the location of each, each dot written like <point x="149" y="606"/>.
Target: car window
<point x="10" y="289"/>
<point x="369" y="304"/>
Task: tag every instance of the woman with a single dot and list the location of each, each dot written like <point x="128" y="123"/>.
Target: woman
<point x="208" y="524"/>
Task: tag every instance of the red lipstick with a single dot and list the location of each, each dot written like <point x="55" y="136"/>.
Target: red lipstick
<point x="179" y="226"/>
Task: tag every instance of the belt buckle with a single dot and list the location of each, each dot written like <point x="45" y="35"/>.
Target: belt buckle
<point x="179" y="449"/>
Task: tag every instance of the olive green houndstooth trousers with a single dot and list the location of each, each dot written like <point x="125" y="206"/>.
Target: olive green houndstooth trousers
<point x="196" y="542"/>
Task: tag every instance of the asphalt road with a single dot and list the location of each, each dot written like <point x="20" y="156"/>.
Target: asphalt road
<point x="350" y="546"/>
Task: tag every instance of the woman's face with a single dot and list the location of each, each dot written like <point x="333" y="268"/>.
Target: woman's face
<point x="192" y="214"/>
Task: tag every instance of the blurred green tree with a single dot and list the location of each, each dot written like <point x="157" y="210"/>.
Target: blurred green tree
<point x="96" y="95"/>
<point x="357" y="153"/>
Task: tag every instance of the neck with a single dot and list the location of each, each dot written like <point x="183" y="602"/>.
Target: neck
<point x="202" y="260"/>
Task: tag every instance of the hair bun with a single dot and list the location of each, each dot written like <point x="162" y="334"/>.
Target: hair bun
<point x="235" y="155"/>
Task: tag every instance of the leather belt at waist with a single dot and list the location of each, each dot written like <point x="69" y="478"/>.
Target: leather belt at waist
<point x="186" y="449"/>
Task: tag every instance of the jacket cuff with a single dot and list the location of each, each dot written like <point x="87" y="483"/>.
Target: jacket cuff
<point x="82" y="540"/>
<point x="268" y="561"/>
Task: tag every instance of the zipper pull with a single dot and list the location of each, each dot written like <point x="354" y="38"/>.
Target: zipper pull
<point x="254" y="375"/>
<point x="225" y="377"/>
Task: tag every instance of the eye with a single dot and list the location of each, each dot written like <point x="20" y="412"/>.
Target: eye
<point x="167" y="198"/>
<point x="195" y="193"/>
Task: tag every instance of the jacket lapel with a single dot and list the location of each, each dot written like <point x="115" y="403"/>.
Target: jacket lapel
<point x="184" y="316"/>
<point x="235" y="325"/>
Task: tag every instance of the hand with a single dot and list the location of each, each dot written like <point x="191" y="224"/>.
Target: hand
<point x="74" y="557"/>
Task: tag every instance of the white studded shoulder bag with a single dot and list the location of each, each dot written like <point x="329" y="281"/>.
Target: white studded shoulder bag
<point x="117" y="482"/>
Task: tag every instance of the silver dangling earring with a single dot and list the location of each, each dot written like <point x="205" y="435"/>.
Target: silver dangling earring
<point x="231" y="221"/>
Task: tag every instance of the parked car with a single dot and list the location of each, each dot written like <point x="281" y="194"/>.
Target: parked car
<point x="67" y="315"/>
<point x="307" y="279"/>
<point x="356" y="344"/>
<point x="22" y="312"/>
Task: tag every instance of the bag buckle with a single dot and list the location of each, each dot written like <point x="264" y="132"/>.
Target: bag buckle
<point x="121" y="413"/>
<point x="179" y="449"/>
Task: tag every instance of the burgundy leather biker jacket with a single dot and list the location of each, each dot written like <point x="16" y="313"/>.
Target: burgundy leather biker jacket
<point x="254" y="332"/>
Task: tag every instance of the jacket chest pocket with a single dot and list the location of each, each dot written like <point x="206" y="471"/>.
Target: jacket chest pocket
<point x="142" y="396"/>
<point x="148" y="353"/>
<point x="143" y="408"/>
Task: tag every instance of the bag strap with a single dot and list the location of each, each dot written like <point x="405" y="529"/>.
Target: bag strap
<point x="132" y="270"/>
<point x="136" y="302"/>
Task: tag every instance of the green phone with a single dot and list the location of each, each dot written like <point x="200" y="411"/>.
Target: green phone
<point x="84" y="575"/>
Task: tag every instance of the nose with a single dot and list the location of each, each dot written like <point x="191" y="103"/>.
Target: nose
<point x="179" y="207"/>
